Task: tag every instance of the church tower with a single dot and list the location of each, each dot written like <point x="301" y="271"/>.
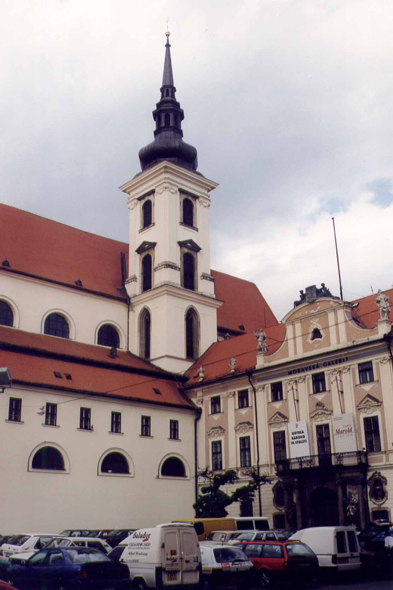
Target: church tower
<point x="173" y="310"/>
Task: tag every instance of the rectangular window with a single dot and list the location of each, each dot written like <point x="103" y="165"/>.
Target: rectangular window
<point x="146" y="426"/>
<point x="280" y="450"/>
<point x="324" y="446"/>
<point x="245" y="451"/>
<point x="116" y="422"/>
<point x="318" y="382"/>
<point x="366" y="373"/>
<point x="216" y="455"/>
<point x="15" y="410"/>
<point x="242" y="399"/>
<point x="215" y="405"/>
<point x="85" y="419"/>
<point x="51" y="414"/>
<point x="371" y="434"/>
<point x="277" y="394"/>
<point x="174" y="429"/>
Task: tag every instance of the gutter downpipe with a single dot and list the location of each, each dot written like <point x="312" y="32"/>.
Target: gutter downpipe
<point x="199" y="410"/>
<point x="257" y="441"/>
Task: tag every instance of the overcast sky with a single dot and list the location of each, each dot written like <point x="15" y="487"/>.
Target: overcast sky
<point x="289" y="103"/>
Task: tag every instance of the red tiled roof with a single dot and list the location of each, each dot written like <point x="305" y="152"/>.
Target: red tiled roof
<point x="243" y="305"/>
<point x="33" y="359"/>
<point x="215" y="361"/>
<point x="367" y="310"/>
<point x="46" y="249"/>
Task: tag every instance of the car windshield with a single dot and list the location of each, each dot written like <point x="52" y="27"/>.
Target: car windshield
<point x="244" y="537"/>
<point x="225" y="554"/>
<point x="59" y="543"/>
<point x="78" y="556"/>
<point x="18" y="540"/>
<point x="299" y="550"/>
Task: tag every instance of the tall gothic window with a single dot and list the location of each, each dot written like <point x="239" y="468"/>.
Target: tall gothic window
<point x="189" y="271"/>
<point x="188" y="212"/>
<point x="56" y="325"/>
<point x="6" y="315"/>
<point x="108" y="336"/>
<point x="192" y="334"/>
<point x="146" y="272"/>
<point x="145" y="334"/>
<point x="147" y="213"/>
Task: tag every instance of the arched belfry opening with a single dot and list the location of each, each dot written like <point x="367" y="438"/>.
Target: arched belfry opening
<point x="145" y="334"/>
<point x="192" y="334"/>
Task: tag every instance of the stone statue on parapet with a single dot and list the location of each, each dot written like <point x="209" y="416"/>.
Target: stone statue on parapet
<point x="382" y="301"/>
<point x="261" y="340"/>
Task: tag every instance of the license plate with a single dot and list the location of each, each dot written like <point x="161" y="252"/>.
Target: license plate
<point x="304" y="564"/>
<point x="343" y="560"/>
<point x="172" y="576"/>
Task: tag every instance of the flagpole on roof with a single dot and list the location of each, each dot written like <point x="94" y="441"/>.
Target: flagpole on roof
<point x="338" y="261"/>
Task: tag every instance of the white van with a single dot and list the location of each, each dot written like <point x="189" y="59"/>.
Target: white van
<point x="164" y="556"/>
<point x="336" y="547"/>
<point x="252" y="523"/>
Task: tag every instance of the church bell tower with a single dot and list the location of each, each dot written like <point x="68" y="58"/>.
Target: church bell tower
<point x="173" y="310"/>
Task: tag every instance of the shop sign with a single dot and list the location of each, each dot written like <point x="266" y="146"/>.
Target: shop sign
<point x="344" y="433"/>
<point x="299" y="445"/>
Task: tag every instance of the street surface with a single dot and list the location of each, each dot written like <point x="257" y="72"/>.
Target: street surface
<point x="340" y="585"/>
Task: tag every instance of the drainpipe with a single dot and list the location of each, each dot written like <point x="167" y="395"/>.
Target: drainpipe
<point x="124" y="292"/>
<point x="257" y="441"/>
<point x="199" y="410"/>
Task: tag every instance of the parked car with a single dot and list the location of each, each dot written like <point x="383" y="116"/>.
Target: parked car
<point x="5" y="586"/>
<point x="274" y="561"/>
<point x="24" y="543"/>
<point x="164" y="556"/>
<point x="222" y="536"/>
<point x="225" y="565"/>
<point x="94" y="543"/>
<point x="74" y="533"/>
<point x="257" y="536"/>
<point x="117" y="536"/>
<point x="336" y="547"/>
<point x="71" y="568"/>
<point x="101" y="533"/>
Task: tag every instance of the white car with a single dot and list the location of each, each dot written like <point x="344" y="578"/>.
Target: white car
<point x="91" y="542"/>
<point x="25" y="543"/>
<point x="257" y="536"/>
<point x="225" y="565"/>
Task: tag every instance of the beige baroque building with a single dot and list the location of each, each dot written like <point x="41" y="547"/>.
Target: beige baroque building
<point x="309" y="402"/>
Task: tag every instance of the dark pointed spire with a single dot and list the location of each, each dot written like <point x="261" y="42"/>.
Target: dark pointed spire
<point x="168" y="144"/>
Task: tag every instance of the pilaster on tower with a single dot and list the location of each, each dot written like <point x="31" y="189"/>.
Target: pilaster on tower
<point x="173" y="317"/>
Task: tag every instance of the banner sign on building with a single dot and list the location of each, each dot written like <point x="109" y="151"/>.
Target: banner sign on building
<point x="298" y="439"/>
<point x="344" y="433"/>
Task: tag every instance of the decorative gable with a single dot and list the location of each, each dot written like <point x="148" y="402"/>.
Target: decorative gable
<point x="216" y="432"/>
<point x="190" y="245"/>
<point x="145" y="246"/>
<point x="244" y="427"/>
<point x="278" y="419"/>
<point x="369" y="404"/>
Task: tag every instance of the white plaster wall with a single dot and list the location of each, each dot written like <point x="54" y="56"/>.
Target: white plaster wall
<point x="34" y="299"/>
<point x="41" y="501"/>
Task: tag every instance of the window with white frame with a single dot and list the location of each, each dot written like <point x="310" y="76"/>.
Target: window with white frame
<point x="242" y="398"/>
<point x="116" y="422"/>
<point x="245" y="451"/>
<point x="277" y="394"/>
<point x="366" y="373"/>
<point x="371" y="434"/>
<point x="280" y="449"/>
<point x="215" y="404"/>
<point x="15" y="409"/>
<point x="51" y="414"/>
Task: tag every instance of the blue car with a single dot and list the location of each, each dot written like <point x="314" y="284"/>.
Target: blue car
<point x="69" y="568"/>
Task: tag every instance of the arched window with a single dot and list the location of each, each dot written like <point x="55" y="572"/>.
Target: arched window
<point x="192" y="334"/>
<point x="6" y="315"/>
<point x="108" y="336"/>
<point x="316" y="334"/>
<point x="167" y="120"/>
<point x="173" y="467"/>
<point x="115" y="463"/>
<point x="146" y="272"/>
<point x="189" y="271"/>
<point x="188" y="212"/>
<point x="56" y="325"/>
<point x="147" y="213"/>
<point x="48" y="458"/>
<point x="145" y="334"/>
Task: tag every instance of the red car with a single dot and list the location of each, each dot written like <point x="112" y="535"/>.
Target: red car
<point x="274" y="561"/>
<point x="5" y="586"/>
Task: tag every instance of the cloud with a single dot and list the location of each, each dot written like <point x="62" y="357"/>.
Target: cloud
<point x="382" y="190"/>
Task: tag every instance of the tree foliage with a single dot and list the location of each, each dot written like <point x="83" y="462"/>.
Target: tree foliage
<point x="213" y="501"/>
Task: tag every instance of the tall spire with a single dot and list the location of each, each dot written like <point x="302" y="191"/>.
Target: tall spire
<point x="168" y="144"/>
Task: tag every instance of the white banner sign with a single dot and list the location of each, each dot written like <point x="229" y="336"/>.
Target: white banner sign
<point x="298" y="440"/>
<point x="344" y="433"/>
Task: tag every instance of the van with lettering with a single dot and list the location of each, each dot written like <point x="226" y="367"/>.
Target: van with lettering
<point x="161" y="557"/>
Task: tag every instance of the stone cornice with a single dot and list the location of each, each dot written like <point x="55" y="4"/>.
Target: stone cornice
<point x="176" y="291"/>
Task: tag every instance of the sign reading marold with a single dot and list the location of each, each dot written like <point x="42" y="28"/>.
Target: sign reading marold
<point x="344" y="433"/>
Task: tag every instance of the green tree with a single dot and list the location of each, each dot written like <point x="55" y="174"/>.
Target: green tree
<point x="212" y="503"/>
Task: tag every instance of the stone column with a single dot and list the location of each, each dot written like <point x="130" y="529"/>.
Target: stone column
<point x="362" y="505"/>
<point x="299" y="515"/>
<point x="340" y="500"/>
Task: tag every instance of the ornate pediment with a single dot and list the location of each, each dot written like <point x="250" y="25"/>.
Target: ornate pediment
<point x="277" y="419"/>
<point x="190" y="245"/>
<point x="216" y="432"/>
<point x="320" y="414"/>
<point x="244" y="427"/>
<point x="145" y="246"/>
<point x="369" y="404"/>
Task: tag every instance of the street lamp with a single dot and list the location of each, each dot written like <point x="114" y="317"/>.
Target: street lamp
<point x="5" y="379"/>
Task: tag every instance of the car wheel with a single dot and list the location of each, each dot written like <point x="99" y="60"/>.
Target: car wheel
<point x="139" y="585"/>
<point x="265" y="578"/>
